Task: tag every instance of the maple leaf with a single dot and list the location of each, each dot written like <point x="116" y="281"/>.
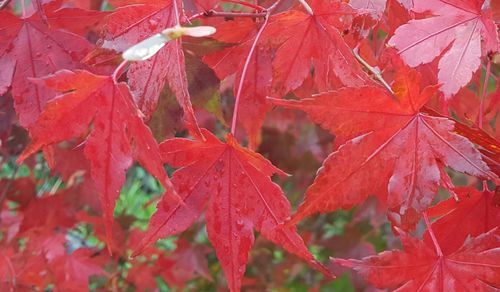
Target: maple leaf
<point x="235" y="183"/>
<point x="35" y="46"/>
<point x="185" y="263"/>
<point x="475" y="213"/>
<point x="118" y="136"/>
<point x="305" y="40"/>
<point x="72" y="271"/>
<point x="133" y="23"/>
<point x="473" y="267"/>
<point x="258" y="79"/>
<point x="394" y="150"/>
<point x="462" y="31"/>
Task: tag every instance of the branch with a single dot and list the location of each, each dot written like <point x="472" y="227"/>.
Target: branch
<point x="439" y="252"/>
<point x="119" y="71"/>
<point x="213" y="13"/>
<point x="306" y="6"/>
<point x="243" y="3"/>
<point x="484" y="91"/>
<point x="4" y="4"/>
<point x="176" y="11"/>
<point x="374" y="71"/>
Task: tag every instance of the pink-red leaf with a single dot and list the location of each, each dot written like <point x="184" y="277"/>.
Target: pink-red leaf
<point x="235" y="184"/>
<point x="475" y="213"/>
<point x="460" y="31"/>
<point x="118" y="133"/>
<point x="473" y="267"/>
<point x="304" y="41"/>
<point x="395" y="152"/>
<point x="32" y="47"/>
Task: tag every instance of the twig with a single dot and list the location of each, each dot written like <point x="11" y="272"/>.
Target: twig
<point x="481" y="105"/>
<point x="176" y="11"/>
<point x="306" y="6"/>
<point x="484" y="91"/>
<point x="374" y="71"/>
<point x="4" y="4"/>
<point x="119" y="70"/>
<point x="243" y="3"/>
<point x="23" y="8"/>
<point x="213" y="13"/>
<point x="41" y="12"/>
<point x="433" y="237"/>
<point x="273" y="7"/>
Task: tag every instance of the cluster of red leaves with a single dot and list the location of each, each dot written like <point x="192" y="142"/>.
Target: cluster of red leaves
<point x="397" y="83"/>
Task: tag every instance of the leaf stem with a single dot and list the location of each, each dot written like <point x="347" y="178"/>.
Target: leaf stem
<point x="263" y="12"/>
<point x="119" y="71"/>
<point x="41" y="12"/>
<point x="433" y="236"/>
<point x="374" y="71"/>
<point x="176" y="11"/>
<point x="243" y="3"/>
<point x="4" y="4"/>
<point x="213" y="13"/>
<point x="247" y="62"/>
<point x="483" y="93"/>
<point x="244" y="73"/>
<point x="23" y="8"/>
<point x="306" y="7"/>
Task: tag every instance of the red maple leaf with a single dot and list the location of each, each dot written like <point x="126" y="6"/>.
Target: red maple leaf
<point x="235" y="183"/>
<point x="304" y="40"/>
<point x="72" y="271"/>
<point x="131" y="24"/>
<point x="186" y="263"/>
<point x="35" y="46"/>
<point x="475" y="213"/>
<point x="393" y="145"/>
<point x="118" y="136"/>
<point x="472" y="267"/>
<point x="462" y="31"/>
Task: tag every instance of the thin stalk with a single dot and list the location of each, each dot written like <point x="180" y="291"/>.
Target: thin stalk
<point x="244" y="73"/>
<point x="433" y="237"/>
<point x="484" y="91"/>
<point x="213" y="13"/>
<point x="176" y="11"/>
<point x="4" y="4"/>
<point x="41" y="12"/>
<point x="243" y="3"/>
<point x="119" y="71"/>
<point x="247" y="62"/>
<point x="274" y="6"/>
<point x="263" y="12"/>
<point x="23" y="8"/>
<point x="374" y="71"/>
<point x="306" y="7"/>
